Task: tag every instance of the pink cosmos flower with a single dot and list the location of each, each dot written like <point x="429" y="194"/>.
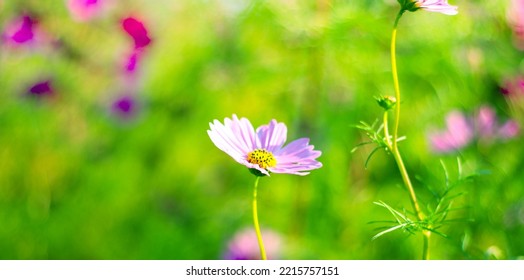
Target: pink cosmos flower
<point x="244" y="245"/>
<point x="488" y="125"/>
<point x="461" y="130"/>
<point x="458" y="133"/>
<point x="263" y="150"/>
<point x="85" y="10"/>
<point x="440" y="6"/>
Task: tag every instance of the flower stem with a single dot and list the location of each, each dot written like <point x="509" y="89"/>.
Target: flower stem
<point x="395" y="78"/>
<point x="255" y="221"/>
<point x="425" y="250"/>
<point x="394" y="149"/>
<point x="386" y="130"/>
<point x="394" y="146"/>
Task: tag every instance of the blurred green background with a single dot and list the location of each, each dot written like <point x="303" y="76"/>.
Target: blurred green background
<point x="77" y="182"/>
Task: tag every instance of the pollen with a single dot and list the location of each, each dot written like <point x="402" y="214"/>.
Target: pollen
<point x="262" y="157"/>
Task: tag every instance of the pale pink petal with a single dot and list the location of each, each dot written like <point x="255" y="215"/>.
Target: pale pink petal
<point x="442" y="143"/>
<point x="235" y="132"/>
<point x="221" y="139"/>
<point x="440" y="6"/>
<point x="272" y="136"/>
<point x="297" y="169"/>
<point x="459" y="129"/>
<point x="292" y="147"/>
<point x="248" y="133"/>
<point x="225" y="137"/>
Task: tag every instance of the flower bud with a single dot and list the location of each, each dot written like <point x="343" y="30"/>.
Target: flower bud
<point x="387" y="102"/>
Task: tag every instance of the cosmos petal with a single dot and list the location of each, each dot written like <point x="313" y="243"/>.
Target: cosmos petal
<point x="271" y="136"/>
<point x="439" y="6"/>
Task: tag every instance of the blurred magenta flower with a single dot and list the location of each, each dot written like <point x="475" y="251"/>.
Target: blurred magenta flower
<point x="85" y="10"/>
<point x="41" y="89"/>
<point x="132" y="62"/>
<point x="440" y="6"/>
<point x="244" y="245"/>
<point x="513" y="87"/>
<point x="263" y="149"/>
<point x="137" y="31"/>
<point x="20" y="31"/>
<point x="461" y="130"/>
<point x="515" y="17"/>
<point x="124" y="107"/>
<point x="513" y="91"/>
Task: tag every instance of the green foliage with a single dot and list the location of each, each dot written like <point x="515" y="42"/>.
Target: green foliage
<point x="438" y="211"/>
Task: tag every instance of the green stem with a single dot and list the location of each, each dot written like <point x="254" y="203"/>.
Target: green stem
<point x="395" y="78"/>
<point x="386" y="130"/>
<point x="394" y="147"/>
<point x="255" y="221"/>
<point x="407" y="182"/>
<point x="425" y="250"/>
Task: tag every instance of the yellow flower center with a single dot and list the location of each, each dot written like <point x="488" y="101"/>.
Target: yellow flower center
<point x="262" y="157"/>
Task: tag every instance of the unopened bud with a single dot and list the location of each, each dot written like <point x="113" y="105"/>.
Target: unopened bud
<point x="387" y="102"/>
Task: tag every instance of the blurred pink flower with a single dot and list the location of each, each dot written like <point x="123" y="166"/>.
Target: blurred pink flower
<point x="458" y="133"/>
<point x="244" y="245"/>
<point x="462" y="130"/>
<point x="137" y="31"/>
<point x="509" y="129"/>
<point x="21" y="30"/>
<point x="486" y="121"/>
<point x="26" y="33"/>
<point x="263" y="150"/>
<point x="515" y="16"/>
<point x="488" y="127"/>
<point x="513" y="87"/>
<point x="440" y="6"/>
<point x="85" y="10"/>
<point x="132" y="62"/>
